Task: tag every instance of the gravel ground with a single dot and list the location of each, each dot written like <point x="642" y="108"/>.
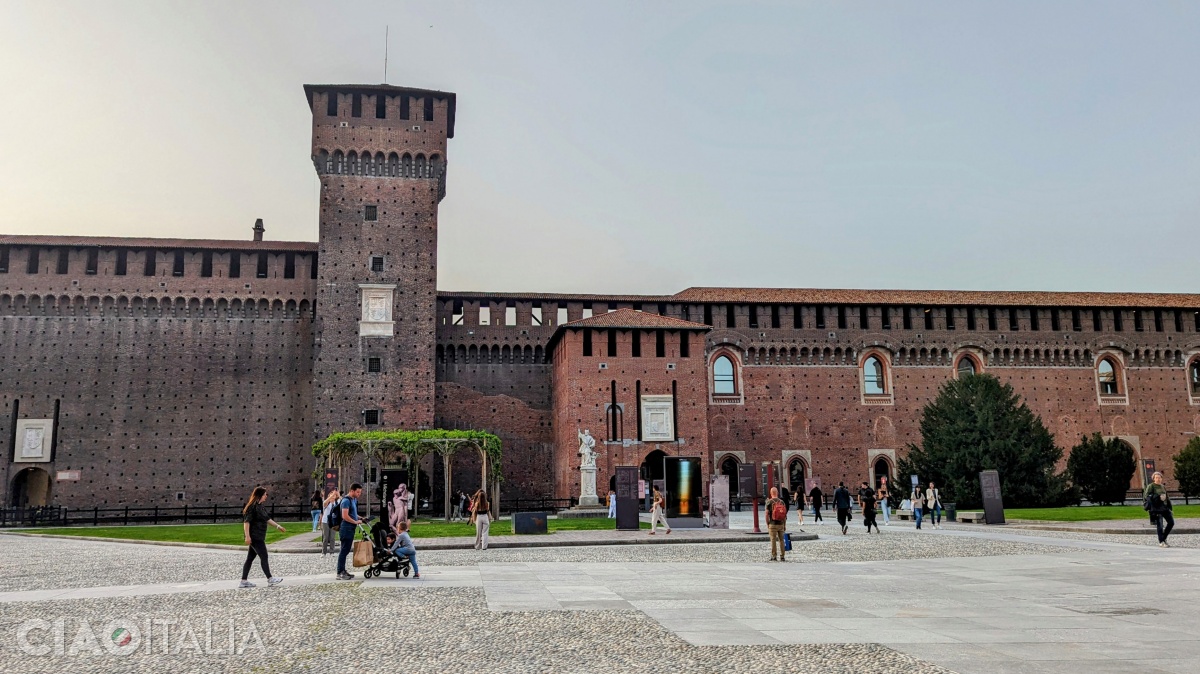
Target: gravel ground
<point x="348" y="628"/>
<point x="1150" y="539"/>
<point x="49" y="563"/>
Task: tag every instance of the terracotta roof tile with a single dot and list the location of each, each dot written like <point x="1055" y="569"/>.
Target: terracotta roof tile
<point x="936" y="297"/>
<point x="628" y="318"/>
<point x="135" y="242"/>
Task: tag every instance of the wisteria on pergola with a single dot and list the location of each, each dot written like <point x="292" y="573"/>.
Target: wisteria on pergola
<point x="384" y="447"/>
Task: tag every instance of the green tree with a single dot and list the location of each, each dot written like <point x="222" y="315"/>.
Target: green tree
<point x="1187" y="468"/>
<point x="978" y="423"/>
<point x="1101" y="469"/>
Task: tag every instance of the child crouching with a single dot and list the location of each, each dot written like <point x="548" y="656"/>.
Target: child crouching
<point x="403" y="546"/>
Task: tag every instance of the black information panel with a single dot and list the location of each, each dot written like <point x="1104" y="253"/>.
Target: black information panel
<point x="747" y="480"/>
<point x="993" y="504"/>
<point x="627" y="498"/>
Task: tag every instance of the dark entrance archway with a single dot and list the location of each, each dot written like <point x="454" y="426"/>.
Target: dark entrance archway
<point x="30" y="488"/>
<point x="729" y="466"/>
<point x="652" y="466"/>
<point x="883" y="468"/>
<point x="796" y="473"/>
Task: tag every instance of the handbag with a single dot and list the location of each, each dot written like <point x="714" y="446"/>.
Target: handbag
<point x="787" y="542"/>
<point x="364" y="554"/>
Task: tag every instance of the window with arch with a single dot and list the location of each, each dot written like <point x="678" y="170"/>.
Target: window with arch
<point x="796" y="473"/>
<point x="729" y="467"/>
<point x="1106" y="377"/>
<point x="873" y="376"/>
<point x="1194" y="377"/>
<point x="966" y="367"/>
<point x="724" y="380"/>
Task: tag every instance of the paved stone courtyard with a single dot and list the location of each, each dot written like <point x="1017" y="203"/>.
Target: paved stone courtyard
<point x="964" y="599"/>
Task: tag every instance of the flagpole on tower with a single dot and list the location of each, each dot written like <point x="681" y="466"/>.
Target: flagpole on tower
<point x="385" y="52"/>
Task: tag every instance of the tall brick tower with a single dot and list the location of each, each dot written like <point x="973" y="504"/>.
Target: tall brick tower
<point x="380" y="152"/>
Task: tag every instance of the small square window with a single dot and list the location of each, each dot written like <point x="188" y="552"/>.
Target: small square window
<point x="374" y="365"/>
<point x="377" y="263"/>
<point x="371" y="417"/>
<point x="371" y="213"/>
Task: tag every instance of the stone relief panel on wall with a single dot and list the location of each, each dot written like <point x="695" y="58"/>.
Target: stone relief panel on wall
<point x="376" y="310"/>
<point x="658" y="418"/>
<point x="34" y="440"/>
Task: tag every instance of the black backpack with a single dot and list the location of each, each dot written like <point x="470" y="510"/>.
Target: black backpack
<point x="335" y="515"/>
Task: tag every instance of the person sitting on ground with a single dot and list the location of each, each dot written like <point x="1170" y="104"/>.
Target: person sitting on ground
<point x="402" y="546"/>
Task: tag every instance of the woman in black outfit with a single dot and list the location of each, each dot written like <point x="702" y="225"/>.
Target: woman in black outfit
<point x="254" y="525"/>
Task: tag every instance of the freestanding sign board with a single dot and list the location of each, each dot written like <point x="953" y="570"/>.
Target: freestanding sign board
<point x="627" y="498"/>
<point x="747" y="480"/>
<point x="331" y="479"/>
<point x="1147" y="471"/>
<point x="718" y="502"/>
<point x="993" y="505"/>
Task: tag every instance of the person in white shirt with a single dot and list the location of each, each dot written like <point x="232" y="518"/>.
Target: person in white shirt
<point x="933" y="501"/>
<point x="612" y="503"/>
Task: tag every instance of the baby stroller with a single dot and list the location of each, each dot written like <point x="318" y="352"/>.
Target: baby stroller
<point x="385" y="560"/>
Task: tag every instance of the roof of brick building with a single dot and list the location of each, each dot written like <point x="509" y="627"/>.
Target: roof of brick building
<point x="936" y="297"/>
<point x="628" y="318"/>
<point x="147" y="242"/>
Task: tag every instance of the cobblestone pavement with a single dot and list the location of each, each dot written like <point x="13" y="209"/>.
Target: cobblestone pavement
<point x="342" y="627"/>
<point x="351" y="628"/>
<point x="49" y="563"/>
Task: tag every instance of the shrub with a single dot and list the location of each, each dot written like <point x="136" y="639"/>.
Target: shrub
<point x="1187" y="468"/>
<point x="1102" y="469"/>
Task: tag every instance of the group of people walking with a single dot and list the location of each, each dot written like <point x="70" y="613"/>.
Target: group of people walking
<point x="336" y="514"/>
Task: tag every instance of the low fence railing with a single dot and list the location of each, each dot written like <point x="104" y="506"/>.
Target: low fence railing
<point x="57" y="516"/>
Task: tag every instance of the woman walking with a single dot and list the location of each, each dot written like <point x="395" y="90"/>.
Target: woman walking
<point x="918" y="504"/>
<point x="868" y="508"/>
<point x="480" y="507"/>
<point x="328" y="525"/>
<point x="315" y="504"/>
<point x="1159" y="505"/>
<point x="254" y="524"/>
<point x="657" y="515"/>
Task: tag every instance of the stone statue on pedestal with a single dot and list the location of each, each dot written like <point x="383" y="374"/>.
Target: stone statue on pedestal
<point x="587" y="469"/>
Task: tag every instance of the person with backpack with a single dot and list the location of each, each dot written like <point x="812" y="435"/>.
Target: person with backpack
<point x="817" y="498"/>
<point x="776" y="522"/>
<point x="348" y="512"/>
<point x="1158" y="503"/>
<point x="868" y="510"/>
<point x="842" y="501"/>
<point x="331" y="520"/>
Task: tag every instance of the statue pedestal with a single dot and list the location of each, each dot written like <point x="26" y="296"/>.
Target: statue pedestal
<point x="587" y="487"/>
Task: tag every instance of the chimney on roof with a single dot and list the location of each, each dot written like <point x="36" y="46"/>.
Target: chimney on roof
<point x="258" y="229"/>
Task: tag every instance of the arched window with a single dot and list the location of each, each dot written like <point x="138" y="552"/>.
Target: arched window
<point x="873" y="381"/>
<point x="966" y="367"/>
<point x="723" y="380"/>
<point x="1194" y="377"/>
<point x="1106" y="375"/>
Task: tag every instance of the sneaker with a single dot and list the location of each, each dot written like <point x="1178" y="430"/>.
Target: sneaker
<point x="274" y="580"/>
<point x="417" y="576"/>
<point x="775" y="559"/>
<point x="246" y="583"/>
<point x="782" y="559"/>
<point x="346" y="576"/>
<point x="668" y="531"/>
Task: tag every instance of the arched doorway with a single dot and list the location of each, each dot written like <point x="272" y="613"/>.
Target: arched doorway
<point x="882" y="469"/>
<point x="652" y="467"/>
<point x="729" y="466"/>
<point x="796" y="474"/>
<point x="31" y="488"/>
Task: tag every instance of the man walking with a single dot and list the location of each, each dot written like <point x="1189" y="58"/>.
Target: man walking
<point x="843" y="503"/>
<point x="1159" y="505"/>
<point x="350" y="521"/>
<point x="817" y="498"/>
<point x="776" y="522"/>
<point x="933" y="501"/>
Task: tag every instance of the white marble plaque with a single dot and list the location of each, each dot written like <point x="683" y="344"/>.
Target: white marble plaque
<point x="34" y="437"/>
<point x="658" y="418"/>
<point x="376" y="310"/>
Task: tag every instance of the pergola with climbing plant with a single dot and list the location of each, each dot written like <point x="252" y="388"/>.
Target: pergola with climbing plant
<point x="339" y="450"/>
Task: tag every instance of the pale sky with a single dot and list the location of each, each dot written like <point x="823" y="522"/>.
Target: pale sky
<point x="644" y="147"/>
